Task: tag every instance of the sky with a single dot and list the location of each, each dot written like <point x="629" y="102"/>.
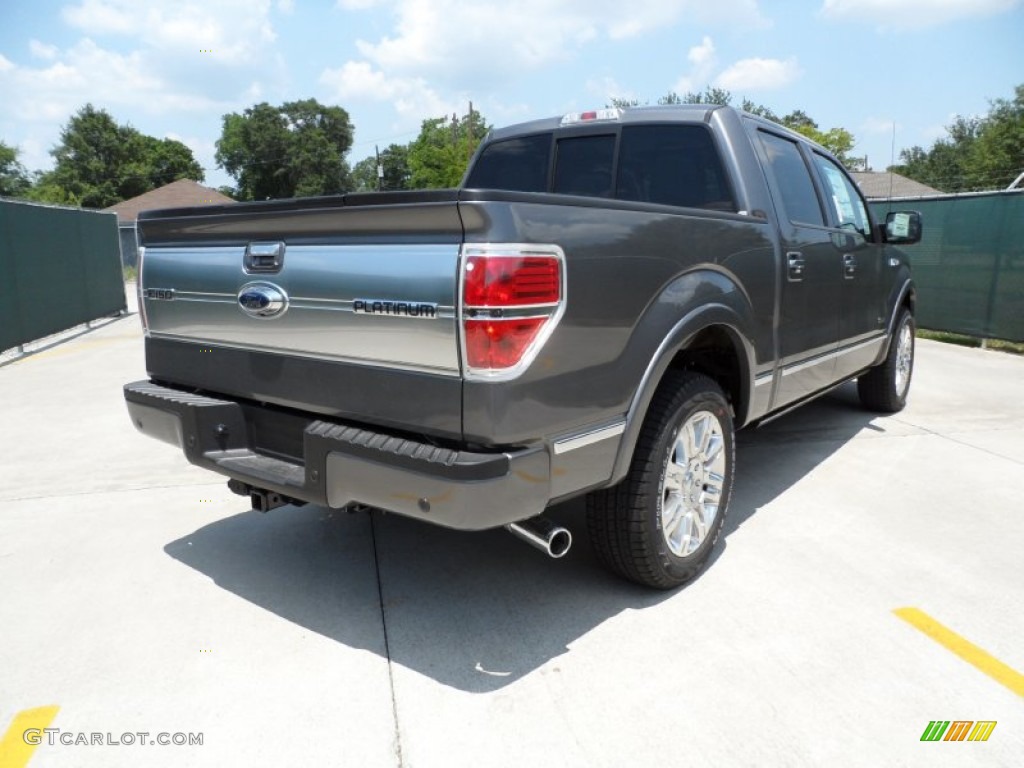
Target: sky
<point x="173" y="69"/>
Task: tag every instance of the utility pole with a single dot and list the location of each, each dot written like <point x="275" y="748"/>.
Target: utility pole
<point x="469" y="133"/>
<point x="380" y="169"/>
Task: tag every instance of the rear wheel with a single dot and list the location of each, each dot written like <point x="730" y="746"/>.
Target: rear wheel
<point x="659" y="525"/>
<point x="885" y="387"/>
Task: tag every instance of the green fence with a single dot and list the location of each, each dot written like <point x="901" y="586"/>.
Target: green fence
<point x="969" y="265"/>
<point x="59" y="267"/>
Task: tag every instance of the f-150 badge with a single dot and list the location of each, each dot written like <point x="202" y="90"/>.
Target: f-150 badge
<point x="262" y="300"/>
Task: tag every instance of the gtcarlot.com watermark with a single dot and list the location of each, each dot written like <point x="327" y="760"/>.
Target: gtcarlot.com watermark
<point x="52" y="736"/>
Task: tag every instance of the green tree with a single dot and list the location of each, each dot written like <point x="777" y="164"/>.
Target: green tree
<point x="998" y="154"/>
<point x="708" y="96"/>
<point x="14" y="180"/>
<point x="977" y="153"/>
<point x="439" y="156"/>
<point x="395" y="163"/>
<point x="618" y="103"/>
<point x="838" y="141"/>
<point x="950" y="164"/>
<point x="294" y="150"/>
<point x="99" y="162"/>
<point x="167" y="160"/>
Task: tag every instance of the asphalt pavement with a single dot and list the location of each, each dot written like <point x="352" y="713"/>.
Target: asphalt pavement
<point x="139" y="596"/>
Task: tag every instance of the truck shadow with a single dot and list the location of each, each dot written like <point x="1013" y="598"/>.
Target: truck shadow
<point x="475" y="611"/>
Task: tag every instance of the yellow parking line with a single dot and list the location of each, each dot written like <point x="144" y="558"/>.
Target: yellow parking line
<point x="965" y="649"/>
<point x="14" y="752"/>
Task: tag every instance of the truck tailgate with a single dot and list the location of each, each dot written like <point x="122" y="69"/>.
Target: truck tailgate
<point x="347" y="310"/>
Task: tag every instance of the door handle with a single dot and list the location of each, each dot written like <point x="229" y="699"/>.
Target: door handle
<point x="849" y="266"/>
<point x="795" y="266"/>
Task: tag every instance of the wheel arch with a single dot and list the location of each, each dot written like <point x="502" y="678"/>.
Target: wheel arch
<point x="712" y="338"/>
<point x="904" y="297"/>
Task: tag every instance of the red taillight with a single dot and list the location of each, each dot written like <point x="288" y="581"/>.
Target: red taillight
<point x="497" y="344"/>
<point x="510" y="304"/>
<point x="511" y="281"/>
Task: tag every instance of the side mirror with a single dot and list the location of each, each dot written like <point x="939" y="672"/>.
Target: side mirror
<point x="903" y="227"/>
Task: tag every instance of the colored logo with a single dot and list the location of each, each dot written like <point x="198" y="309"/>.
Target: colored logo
<point x="263" y="300"/>
<point x="958" y="730"/>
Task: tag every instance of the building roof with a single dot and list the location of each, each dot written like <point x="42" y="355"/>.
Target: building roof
<point x="178" y="194"/>
<point x="877" y="184"/>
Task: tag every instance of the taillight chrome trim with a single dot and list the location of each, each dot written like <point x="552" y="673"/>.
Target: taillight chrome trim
<point x="139" y="291"/>
<point x="553" y="311"/>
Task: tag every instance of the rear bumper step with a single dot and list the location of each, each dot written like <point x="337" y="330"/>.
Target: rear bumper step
<point x="342" y="464"/>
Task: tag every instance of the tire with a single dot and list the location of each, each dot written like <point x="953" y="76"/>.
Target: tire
<point x="625" y="522"/>
<point x="885" y="387"/>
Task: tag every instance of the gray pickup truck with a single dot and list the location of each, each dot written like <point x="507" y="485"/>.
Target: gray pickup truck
<point x="605" y="299"/>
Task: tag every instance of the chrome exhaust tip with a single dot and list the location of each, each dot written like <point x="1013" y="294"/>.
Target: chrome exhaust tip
<point x="539" y="532"/>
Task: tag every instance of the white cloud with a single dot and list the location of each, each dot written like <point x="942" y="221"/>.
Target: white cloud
<point x="606" y="89"/>
<point x="442" y="38"/>
<point x="437" y="54"/>
<point x="87" y="72"/>
<point x="439" y="50"/>
<point x="702" y="63"/>
<point x="912" y="13"/>
<point x="102" y="16"/>
<point x="704" y="54"/>
<point x="156" y="66"/>
<point x="232" y="31"/>
<point x="411" y="97"/>
<point x="42" y="51"/>
<point x="759" y="74"/>
<point x="152" y="71"/>
<point x="286" y="6"/>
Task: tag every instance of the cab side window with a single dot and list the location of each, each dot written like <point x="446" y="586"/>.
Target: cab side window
<point x="793" y="177"/>
<point x="518" y="165"/>
<point x="847" y="205"/>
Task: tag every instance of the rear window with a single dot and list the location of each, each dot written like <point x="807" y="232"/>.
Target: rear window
<point x="665" y="164"/>
<point x="583" y="166"/>
<point x="519" y="165"/>
<point x="672" y="165"/>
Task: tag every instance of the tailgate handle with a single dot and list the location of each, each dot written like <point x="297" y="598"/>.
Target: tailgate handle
<point x="264" y="257"/>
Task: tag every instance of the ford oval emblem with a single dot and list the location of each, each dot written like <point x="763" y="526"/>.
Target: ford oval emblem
<point x="263" y="300"/>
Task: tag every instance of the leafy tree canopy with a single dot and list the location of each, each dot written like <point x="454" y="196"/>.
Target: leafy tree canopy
<point x="99" y="162"/>
<point x="977" y="153"/>
<point x="439" y="156"/>
<point x="394" y="161"/>
<point x="294" y="150"/>
<point x="14" y="180"/>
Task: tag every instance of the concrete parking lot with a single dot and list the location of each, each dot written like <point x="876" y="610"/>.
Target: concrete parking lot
<point x="137" y="595"/>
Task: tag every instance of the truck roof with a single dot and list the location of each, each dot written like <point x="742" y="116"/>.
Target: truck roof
<point x="683" y="113"/>
<point x="673" y="112"/>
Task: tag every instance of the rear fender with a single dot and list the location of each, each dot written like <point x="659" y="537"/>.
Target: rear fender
<point x="902" y="294"/>
<point x="710" y="299"/>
